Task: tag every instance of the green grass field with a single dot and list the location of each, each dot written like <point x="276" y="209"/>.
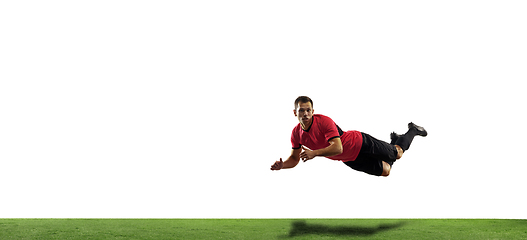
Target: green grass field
<point x="262" y="229"/>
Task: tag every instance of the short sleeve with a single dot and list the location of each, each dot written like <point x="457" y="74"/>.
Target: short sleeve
<point x="295" y="139"/>
<point x="329" y="128"/>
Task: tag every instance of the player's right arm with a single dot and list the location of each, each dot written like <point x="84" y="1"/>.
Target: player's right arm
<point x="290" y="162"/>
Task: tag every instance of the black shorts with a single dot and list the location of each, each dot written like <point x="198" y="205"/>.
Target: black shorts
<point x="372" y="153"/>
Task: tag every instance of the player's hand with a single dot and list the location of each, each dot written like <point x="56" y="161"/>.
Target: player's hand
<point x="277" y="165"/>
<point x="307" y="154"/>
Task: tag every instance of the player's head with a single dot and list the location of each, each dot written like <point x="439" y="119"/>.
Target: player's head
<point x="303" y="99"/>
<point x="304" y="109"/>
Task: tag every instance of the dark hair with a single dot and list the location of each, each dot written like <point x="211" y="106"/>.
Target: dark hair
<point x="303" y="99"/>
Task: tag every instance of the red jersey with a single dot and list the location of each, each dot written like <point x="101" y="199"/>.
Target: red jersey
<point x="322" y="130"/>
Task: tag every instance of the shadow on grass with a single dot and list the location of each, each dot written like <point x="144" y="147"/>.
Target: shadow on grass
<point x="299" y="228"/>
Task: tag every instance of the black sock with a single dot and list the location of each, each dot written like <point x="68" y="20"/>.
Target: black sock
<point x="405" y="140"/>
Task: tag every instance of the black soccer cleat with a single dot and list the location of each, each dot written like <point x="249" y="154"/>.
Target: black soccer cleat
<point x="419" y="130"/>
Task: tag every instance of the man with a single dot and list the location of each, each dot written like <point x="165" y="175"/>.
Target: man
<point x="317" y="135"/>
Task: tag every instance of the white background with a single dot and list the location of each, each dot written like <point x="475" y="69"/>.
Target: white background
<point x="163" y="109"/>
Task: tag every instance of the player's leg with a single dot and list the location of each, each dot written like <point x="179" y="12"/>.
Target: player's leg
<point x="376" y="157"/>
<point x="381" y="150"/>
<point x="403" y="142"/>
<point x="394" y="136"/>
<point x="400" y="151"/>
<point x="385" y="153"/>
<point x="366" y="164"/>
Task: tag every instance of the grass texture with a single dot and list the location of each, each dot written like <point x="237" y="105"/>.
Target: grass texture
<point x="262" y="229"/>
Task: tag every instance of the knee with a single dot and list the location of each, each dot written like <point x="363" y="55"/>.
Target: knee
<point x="399" y="151"/>
<point x="386" y="169"/>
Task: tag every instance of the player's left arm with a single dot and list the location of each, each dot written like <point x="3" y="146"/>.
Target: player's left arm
<point x="334" y="148"/>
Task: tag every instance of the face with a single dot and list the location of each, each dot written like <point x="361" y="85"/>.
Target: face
<point x="304" y="112"/>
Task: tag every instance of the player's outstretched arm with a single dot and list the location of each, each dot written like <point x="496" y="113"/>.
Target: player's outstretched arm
<point x="291" y="162"/>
